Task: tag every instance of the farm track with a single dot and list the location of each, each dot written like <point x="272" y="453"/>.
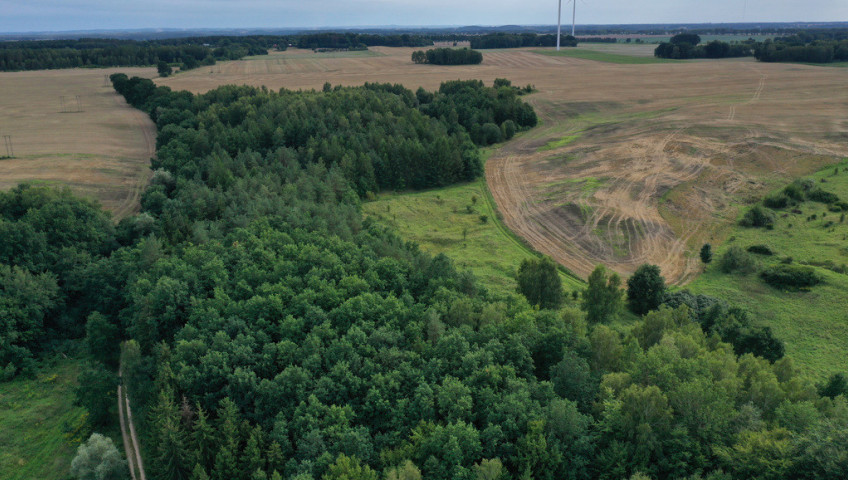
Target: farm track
<point x="131" y="445"/>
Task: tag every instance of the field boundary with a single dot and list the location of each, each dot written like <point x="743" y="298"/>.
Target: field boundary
<point x="512" y="236"/>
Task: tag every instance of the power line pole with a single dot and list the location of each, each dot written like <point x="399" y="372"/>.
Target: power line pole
<point x="79" y="104"/>
<point x="7" y="141"/>
<point x="62" y="103"/>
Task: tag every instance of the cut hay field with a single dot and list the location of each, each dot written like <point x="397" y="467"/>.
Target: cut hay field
<point x="101" y="152"/>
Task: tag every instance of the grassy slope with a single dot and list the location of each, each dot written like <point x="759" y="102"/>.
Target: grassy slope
<point x="813" y="324"/>
<point x="436" y="220"/>
<point x="35" y="415"/>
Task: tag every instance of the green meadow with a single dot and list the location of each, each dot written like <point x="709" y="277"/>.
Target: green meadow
<point x="39" y="425"/>
<point x="814" y="323"/>
<point x="461" y="222"/>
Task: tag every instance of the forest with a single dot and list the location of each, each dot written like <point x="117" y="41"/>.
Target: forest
<point x="448" y="56"/>
<point x="514" y="40"/>
<point x="688" y="45"/>
<point x="188" y="53"/>
<point x="824" y="46"/>
<point x="805" y="46"/>
<point x="266" y="330"/>
<point x="353" y="41"/>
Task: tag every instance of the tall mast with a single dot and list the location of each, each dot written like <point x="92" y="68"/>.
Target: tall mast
<point x="559" y="23"/>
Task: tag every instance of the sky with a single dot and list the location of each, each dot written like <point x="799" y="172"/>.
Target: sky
<point x="64" y="15"/>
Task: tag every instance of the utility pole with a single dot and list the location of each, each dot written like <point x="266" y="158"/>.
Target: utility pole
<point x="79" y="104"/>
<point x="62" y="103"/>
<point x="7" y="141"/>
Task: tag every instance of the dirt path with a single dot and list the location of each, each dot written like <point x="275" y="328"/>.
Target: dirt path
<point x="131" y="444"/>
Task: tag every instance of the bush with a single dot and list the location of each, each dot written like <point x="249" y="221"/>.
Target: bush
<point x="795" y="191"/>
<point x="791" y="276"/>
<point x="761" y="250"/>
<point x="99" y="459"/>
<point x="757" y="216"/>
<point x="736" y="260"/>
<point x="779" y="200"/>
<point x="821" y="196"/>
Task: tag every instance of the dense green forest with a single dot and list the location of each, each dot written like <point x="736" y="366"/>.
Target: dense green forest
<point x="806" y="46"/>
<point x="271" y="332"/>
<point x="448" y="56"/>
<point x="514" y="40"/>
<point x="688" y="45"/>
<point x="353" y="41"/>
<point x="187" y="52"/>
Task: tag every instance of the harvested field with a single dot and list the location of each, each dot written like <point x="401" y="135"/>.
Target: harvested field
<point x="632" y="163"/>
<point x="102" y="151"/>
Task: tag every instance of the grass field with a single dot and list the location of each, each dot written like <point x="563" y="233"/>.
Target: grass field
<point x="813" y="324"/>
<point x="69" y="127"/>
<point x="35" y="418"/>
<point x="440" y="222"/>
<point x="592" y="52"/>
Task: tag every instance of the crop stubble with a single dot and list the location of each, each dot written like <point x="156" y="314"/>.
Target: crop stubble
<point x="102" y="152"/>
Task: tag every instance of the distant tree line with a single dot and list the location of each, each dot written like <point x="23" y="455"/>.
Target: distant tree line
<point x="688" y="45"/>
<point x="448" y="56"/>
<point x="596" y="40"/>
<point x="188" y="53"/>
<point x="807" y="46"/>
<point x="810" y="47"/>
<point x="513" y="40"/>
<point x="354" y="41"/>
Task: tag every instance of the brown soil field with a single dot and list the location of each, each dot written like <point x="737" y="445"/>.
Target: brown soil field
<point x="102" y="152"/>
<point x="643" y="163"/>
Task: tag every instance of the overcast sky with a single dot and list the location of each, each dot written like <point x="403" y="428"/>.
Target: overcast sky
<point x="58" y="15"/>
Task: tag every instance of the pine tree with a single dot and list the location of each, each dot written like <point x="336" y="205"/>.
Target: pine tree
<point x="198" y="473"/>
<point x="707" y="253"/>
<point x="204" y="439"/>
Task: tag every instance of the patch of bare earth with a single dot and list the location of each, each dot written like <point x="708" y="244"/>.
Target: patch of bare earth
<point x="69" y="127"/>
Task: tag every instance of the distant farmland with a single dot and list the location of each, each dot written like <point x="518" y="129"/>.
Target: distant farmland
<point x="68" y="127"/>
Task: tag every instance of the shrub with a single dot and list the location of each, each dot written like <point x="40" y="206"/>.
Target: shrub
<point x="706" y="253"/>
<point x="736" y="260"/>
<point x="508" y="128"/>
<point x="761" y="250"/>
<point x="821" y="196"/>
<point x="757" y="216"/>
<point x="791" y="276"/>
<point x="779" y="200"/>
<point x="795" y="191"/>
<point x="98" y="458"/>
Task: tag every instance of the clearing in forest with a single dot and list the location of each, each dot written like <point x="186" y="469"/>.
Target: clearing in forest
<point x="69" y="127"/>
